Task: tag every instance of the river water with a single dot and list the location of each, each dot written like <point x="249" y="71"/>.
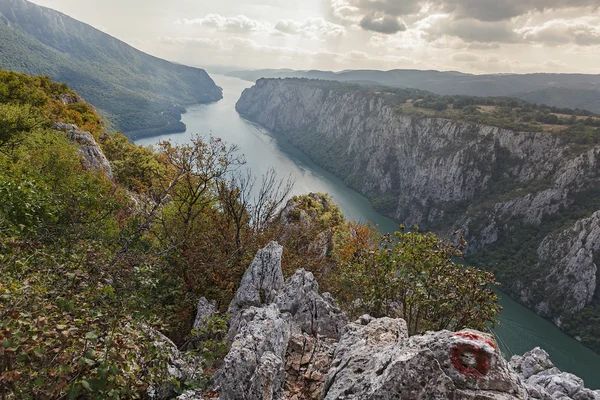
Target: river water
<point x="519" y="330"/>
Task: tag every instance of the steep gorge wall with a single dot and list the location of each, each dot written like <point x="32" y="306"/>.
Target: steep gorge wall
<point x="525" y="201"/>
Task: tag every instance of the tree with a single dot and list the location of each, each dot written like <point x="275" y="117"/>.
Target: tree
<point x="415" y="278"/>
<point x="15" y="122"/>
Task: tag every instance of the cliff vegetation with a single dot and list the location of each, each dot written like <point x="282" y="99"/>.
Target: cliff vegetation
<point x="104" y="243"/>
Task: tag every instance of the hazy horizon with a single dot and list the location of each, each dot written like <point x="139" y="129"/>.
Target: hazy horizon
<point x="470" y="36"/>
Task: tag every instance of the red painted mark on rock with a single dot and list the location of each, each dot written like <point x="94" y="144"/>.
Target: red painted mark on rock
<point x="469" y="358"/>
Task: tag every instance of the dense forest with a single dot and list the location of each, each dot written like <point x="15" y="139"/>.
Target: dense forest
<point x="92" y="267"/>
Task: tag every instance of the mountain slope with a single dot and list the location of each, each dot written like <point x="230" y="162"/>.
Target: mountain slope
<point x="140" y="94"/>
<point x="526" y="201"/>
<point x="568" y="90"/>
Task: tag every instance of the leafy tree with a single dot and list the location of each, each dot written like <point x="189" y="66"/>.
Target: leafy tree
<point x="414" y="277"/>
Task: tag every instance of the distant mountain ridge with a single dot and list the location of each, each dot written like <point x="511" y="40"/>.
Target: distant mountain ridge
<point x="140" y="95"/>
<point x="559" y="90"/>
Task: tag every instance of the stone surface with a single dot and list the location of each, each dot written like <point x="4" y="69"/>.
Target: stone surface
<point x="311" y="313"/>
<point x="544" y="381"/>
<point x="376" y="360"/>
<point x="254" y="365"/>
<point x="206" y="309"/>
<point x="92" y="157"/>
<point x="531" y="363"/>
<point x="307" y="362"/>
<point x="260" y="283"/>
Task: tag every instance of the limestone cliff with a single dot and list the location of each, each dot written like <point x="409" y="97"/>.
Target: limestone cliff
<point x="524" y="200"/>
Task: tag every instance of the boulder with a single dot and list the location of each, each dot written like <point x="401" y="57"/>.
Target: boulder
<point x="544" y="381"/>
<point x="531" y="363"/>
<point x="375" y="359"/>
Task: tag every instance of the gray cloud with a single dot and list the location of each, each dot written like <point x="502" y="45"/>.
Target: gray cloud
<point x="389" y="7"/>
<point x="382" y="23"/>
<point x="499" y="10"/>
<point x="466" y="57"/>
<point x="472" y="30"/>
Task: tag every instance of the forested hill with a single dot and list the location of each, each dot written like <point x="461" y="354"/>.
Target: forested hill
<point x="559" y="90"/>
<point x="139" y="94"/>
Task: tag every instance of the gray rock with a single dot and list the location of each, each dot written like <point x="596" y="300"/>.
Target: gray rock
<point x="260" y="283"/>
<point x="311" y="313"/>
<point x="544" y="381"/>
<point x="206" y="309"/>
<point x="255" y="362"/>
<point x="307" y="362"/>
<point x="531" y="363"/>
<point x="376" y="360"/>
<point x="92" y="157"/>
<point x="268" y="380"/>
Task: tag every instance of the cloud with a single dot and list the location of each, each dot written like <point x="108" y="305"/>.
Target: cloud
<point x="313" y="28"/>
<point x="465" y="57"/>
<point x="500" y="10"/>
<point x="469" y="30"/>
<point x="237" y="24"/>
<point x="561" y="32"/>
<point x="382" y="23"/>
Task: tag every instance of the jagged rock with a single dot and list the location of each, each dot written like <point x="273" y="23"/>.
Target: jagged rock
<point x="311" y="313"/>
<point x="531" y="363"/>
<point x="307" y="362"/>
<point x="260" y="283"/>
<point x="206" y="309"/>
<point x="181" y="367"/>
<point x="268" y="380"/>
<point x="254" y="365"/>
<point x="92" y="157"/>
<point x="544" y="381"/>
<point x="376" y="360"/>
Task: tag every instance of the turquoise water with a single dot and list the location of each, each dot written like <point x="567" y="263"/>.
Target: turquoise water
<point x="520" y="329"/>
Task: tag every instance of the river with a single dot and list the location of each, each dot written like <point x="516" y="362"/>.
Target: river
<point x="519" y="330"/>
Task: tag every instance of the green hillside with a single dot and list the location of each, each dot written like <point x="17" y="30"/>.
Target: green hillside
<point x="139" y="94"/>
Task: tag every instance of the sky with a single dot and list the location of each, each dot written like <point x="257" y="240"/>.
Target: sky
<point x="476" y="36"/>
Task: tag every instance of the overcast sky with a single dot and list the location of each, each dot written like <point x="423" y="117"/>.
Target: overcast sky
<point x="478" y="36"/>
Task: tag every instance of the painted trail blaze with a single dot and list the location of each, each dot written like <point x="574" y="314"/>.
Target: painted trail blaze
<point x="472" y="357"/>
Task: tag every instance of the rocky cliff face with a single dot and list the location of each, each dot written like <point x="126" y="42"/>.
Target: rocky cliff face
<point x="295" y="344"/>
<point x="512" y="193"/>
